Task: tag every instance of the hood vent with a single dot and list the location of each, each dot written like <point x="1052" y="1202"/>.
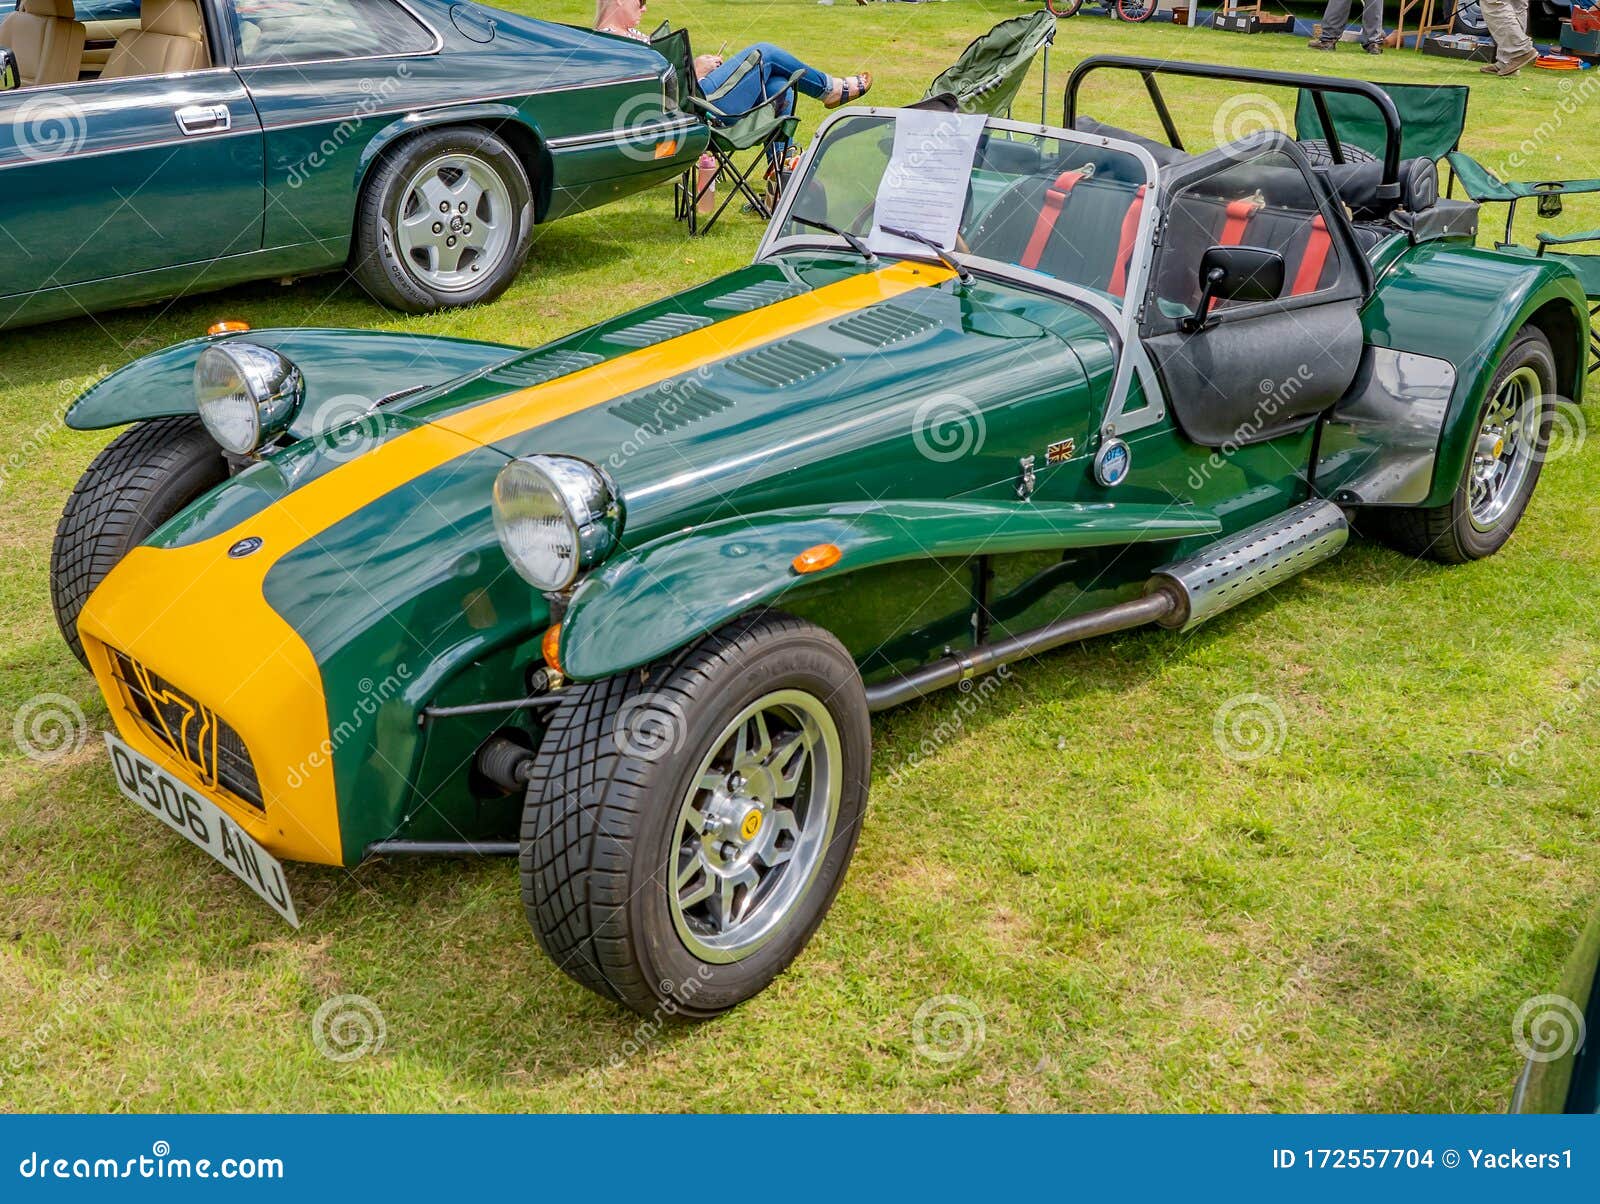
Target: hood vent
<point x="659" y="410"/>
<point x="540" y="369"/>
<point x="657" y="330"/>
<point x="780" y="365"/>
<point x="754" y="296"/>
<point x="884" y="325"/>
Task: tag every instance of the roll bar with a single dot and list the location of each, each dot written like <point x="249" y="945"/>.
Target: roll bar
<point x="1314" y="85"/>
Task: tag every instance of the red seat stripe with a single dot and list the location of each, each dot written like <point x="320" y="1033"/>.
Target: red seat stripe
<point x="1130" y="228"/>
<point x="1314" y="258"/>
<point x="1239" y="215"/>
<point x="1055" y="197"/>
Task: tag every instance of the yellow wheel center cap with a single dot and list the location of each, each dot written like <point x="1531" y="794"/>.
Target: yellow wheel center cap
<point x="750" y="825"/>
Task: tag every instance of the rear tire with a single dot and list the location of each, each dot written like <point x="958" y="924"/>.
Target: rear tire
<point x="665" y="863"/>
<point x="461" y="183"/>
<point x="1481" y="516"/>
<point x="143" y="477"/>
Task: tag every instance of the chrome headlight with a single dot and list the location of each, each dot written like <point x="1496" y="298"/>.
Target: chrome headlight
<point x="246" y="394"/>
<point x="555" y="516"/>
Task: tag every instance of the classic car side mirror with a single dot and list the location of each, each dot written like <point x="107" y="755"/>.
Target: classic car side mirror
<point x="10" y="76"/>
<point x="1236" y="274"/>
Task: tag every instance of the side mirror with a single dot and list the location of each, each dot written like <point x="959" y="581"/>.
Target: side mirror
<point x="1236" y="274"/>
<point x="10" y="76"/>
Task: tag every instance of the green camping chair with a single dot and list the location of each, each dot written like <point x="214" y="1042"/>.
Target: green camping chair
<point x="1483" y="186"/>
<point x="989" y="73"/>
<point x="1585" y="266"/>
<point x="1432" y="117"/>
<point x="766" y="129"/>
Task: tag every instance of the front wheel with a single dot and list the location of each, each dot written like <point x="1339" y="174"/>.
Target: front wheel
<point x="688" y="825"/>
<point x="445" y="220"/>
<point x="1136" y="10"/>
<point x="1063" y="8"/>
<point x="1502" y="468"/>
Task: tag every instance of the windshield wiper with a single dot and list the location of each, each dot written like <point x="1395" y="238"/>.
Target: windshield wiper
<point x="961" y="273"/>
<point x="856" y="245"/>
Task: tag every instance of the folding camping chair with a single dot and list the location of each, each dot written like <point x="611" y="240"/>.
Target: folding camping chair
<point x="989" y="73"/>
<point x="1432" y="117"/>
<point x="767" y="129"/>
<point x="1585" y="266"/>
<point x="1483" y="186"/>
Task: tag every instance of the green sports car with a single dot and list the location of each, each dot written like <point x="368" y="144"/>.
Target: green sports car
<point x="622" y="605"/>
<point x="168" y="147"/>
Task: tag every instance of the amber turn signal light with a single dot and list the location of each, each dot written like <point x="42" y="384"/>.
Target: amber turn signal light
<point x="665" y="150"/>
<point x="551" y="647"/>
<point x="229" y="327"/>
<point x="815" y="559"/>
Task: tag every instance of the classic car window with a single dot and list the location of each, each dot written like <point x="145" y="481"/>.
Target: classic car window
<point x="298" y="31"/>
<point x="1262" y="201"/>
<point x="1061" y="208"/>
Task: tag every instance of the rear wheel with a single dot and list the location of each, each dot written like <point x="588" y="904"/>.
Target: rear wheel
<point x="1063" y="8"/>
<point x="1502" y="468"/>
<point x="143" y="477"/>
<point x="445" y="220"/>
<point x="688" y="826"/>
<point x="1136" y="10"/>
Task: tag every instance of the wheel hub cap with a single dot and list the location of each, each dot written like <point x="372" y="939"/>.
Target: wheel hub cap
<point x="1507" y="447"/>
<point x="455" y="223"/>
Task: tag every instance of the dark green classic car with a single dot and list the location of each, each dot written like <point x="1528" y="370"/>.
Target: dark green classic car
<point x="208" y="142"/>
<point x="622" y="605"/>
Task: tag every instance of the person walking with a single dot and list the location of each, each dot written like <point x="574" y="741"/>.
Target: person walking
<point x="1337" y="16"/>
<point x="1508" y="26"/>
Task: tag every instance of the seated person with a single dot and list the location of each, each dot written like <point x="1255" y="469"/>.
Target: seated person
<point x="756" y="73"/>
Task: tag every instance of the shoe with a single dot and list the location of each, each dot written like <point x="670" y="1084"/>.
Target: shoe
<point x="851" y="87"/>
<point x="1319" y="44"/>
<point x="1372" y="47"/>
<point x="1512" y="66"/>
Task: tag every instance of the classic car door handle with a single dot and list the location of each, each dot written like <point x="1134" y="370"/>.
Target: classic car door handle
<point x="204" y="119"/>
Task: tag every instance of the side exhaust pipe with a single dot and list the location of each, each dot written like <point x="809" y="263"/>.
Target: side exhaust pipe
<point x="1178" y="595"/>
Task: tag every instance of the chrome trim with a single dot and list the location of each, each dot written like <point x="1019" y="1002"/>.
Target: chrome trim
<point x="203" y="119"/>
<point x="1122" y="322"/>
<point x="575" y="141"/>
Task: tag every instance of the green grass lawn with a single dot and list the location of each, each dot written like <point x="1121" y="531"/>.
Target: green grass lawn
<point x="1129" y="917"/>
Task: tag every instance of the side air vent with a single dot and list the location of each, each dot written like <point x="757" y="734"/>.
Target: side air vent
<point x="541" y="369"/>
<point x="884" y="325"/>
<point x="658" y="330"/>
<point x="754" y="296"/>
<point x="783" y="364"/>
<point x="656" y="411"/>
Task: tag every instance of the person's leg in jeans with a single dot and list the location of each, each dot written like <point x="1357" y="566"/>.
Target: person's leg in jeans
<point x="759" y="71"/>
<point x="1334" y="18"/>
<point x="1372" y="24"/>
<point x="1508" y="26"/>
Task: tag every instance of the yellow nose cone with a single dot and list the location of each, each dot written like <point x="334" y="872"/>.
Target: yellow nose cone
<point x="751" y="825"/>
<point x="1499" y="447"/>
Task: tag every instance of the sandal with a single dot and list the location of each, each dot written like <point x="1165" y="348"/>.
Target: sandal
<point x="851" y="87"/>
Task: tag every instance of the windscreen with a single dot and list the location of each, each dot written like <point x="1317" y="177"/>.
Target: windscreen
<point x="1065" y="209"/>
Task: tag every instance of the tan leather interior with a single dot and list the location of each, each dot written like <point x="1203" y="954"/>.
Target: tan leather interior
<point x="103" y="36"/>
<point x="171" y="37"/>
<point x="47" y="39"/>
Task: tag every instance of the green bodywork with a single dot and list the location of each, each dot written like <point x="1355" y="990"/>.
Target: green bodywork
<point x="723" y="479"/>
<point x="275" y="195"/>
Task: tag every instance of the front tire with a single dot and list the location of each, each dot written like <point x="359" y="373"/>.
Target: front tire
<point x="143" y="477"/>
<point x="1513" y="433"/>
<point x="688" y="825"/>
<point x="446" y="220"/>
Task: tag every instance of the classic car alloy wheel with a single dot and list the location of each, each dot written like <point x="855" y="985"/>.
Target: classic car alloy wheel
<point x="751" y="832"/>
<point x="687" y="826"/>
<point x="143" y="477"/>
<point x="445" y="220"/>
<point x="1502" y="468"/>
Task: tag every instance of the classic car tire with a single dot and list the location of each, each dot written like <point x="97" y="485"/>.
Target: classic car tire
<point x="1450" y="533"/>
<point x="143" y="477"/>
<point x="498" y="180"/>
<point x="618" y="775"/>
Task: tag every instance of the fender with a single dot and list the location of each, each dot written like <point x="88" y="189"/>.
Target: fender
<point x="535" y="153"/>
<point x="346" y="373"/>
<point x="1463" y="304"/>
<point x="656" y="598"/>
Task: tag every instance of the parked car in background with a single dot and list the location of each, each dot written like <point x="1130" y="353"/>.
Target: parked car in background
<point x="1559" y="1037"/>
<point x="172" y="146"/>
